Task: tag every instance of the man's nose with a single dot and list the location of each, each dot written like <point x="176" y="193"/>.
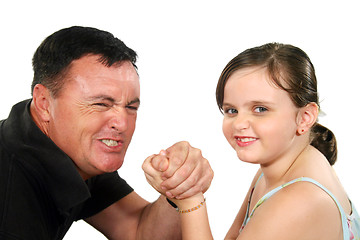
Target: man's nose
<point x="119" y="120"/>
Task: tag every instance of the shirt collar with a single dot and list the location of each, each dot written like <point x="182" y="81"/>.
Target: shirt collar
<point x="55" y="170"/>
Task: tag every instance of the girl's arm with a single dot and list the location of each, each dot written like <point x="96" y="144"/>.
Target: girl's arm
<point x="194" y="219"/>
<point x="195" y="224"/>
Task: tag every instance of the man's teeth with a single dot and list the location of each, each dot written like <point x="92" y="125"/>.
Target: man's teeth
<point x="109" y="142"/>
<point x="246" y="139"/>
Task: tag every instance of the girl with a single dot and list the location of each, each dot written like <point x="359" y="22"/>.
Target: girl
<point x="269" y="99"/>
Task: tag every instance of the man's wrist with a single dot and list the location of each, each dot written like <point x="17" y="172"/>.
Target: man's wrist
<point x="171" y="203"/>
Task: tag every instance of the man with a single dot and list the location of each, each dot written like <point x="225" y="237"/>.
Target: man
<point x="60" y="151"/>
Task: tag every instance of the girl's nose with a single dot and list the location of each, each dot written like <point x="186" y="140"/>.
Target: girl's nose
<point x="241" y="122"/>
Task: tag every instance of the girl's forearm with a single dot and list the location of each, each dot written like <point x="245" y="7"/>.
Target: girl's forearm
<point x="194" y="218"/>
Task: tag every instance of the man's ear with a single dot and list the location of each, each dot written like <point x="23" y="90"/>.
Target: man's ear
<point x="307" y="117"/>
<point x="41" y="102"/>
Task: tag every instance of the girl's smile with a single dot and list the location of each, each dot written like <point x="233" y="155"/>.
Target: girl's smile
<point x="245" y="141"/>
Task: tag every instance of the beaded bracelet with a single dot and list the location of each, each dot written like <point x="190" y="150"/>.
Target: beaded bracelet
<point x="191" y="209"/>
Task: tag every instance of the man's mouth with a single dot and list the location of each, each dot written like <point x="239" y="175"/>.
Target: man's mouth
<point x="110" y="142"/>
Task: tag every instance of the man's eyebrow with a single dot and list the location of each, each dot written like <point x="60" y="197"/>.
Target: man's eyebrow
<point x="136" y="100"/>
<point x="110" y="99"/>
<point x="101" y="97"/>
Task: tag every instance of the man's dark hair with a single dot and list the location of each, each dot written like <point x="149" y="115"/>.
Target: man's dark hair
<point x="55" y="54"/>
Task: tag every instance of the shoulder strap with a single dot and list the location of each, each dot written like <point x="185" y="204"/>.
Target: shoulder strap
<point x="247" y="218"/>
<point x="346" y="233"/>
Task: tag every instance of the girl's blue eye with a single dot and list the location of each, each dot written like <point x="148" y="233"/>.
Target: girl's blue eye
<point x="260" y="109"/>
<point x="230" y="111"/>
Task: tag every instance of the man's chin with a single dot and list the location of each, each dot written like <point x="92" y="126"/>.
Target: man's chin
<point x="111" y="166"/>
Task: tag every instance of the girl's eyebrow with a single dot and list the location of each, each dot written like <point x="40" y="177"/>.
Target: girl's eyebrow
<point x="260" y="102"/>
<point x="254" y="102"/>
<point x="227" y="105"/>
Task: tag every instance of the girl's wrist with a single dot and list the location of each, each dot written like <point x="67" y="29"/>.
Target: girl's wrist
<point x="190" y="202"/>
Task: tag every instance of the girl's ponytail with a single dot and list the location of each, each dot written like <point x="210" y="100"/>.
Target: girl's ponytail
<point x="324" y="140"/>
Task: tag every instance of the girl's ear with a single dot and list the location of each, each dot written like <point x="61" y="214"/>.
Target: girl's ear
<point x="307" y="117"/>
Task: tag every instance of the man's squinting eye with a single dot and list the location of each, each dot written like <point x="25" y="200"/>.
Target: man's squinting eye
<point x="101" y="104"/>
<point x="134" y="108"/>
<point x="260" y="109"/>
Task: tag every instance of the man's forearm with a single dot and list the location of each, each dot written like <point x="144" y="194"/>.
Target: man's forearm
<point x="159" y="220"/>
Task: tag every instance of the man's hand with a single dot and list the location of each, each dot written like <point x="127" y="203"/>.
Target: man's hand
<point x="153" y="174"/>
<point x="183" y="169"/>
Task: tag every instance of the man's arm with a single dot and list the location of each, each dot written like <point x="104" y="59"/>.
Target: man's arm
<point x="187" y="173"/>
<point x="132" y="217"/>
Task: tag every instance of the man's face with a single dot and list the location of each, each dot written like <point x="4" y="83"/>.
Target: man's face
<point x="93" y="118"/>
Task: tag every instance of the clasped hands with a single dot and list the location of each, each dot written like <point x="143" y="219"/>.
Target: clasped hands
<point x="178" y="172"/>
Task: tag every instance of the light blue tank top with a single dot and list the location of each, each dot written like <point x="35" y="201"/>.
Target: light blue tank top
<point x="350" y="224"/>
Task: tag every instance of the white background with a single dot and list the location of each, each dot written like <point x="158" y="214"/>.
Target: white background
<point x="183" y="47"/>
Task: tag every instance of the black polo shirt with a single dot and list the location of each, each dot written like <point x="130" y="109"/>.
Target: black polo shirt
<point x="41" y="192"/>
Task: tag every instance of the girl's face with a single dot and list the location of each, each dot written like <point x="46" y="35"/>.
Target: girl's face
<point x="259" y="118"/>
